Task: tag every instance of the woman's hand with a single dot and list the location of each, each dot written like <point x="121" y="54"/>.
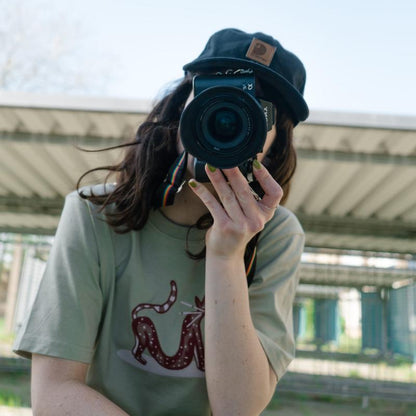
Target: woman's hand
<point x="232" y="348"/>
<point x="238" y="215"/>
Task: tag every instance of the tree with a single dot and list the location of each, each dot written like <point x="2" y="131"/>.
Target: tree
<point x="42" y="50"/>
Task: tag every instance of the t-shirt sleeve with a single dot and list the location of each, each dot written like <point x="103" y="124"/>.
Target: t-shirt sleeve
<point x="66" y="313"/>
<point x="274" y="287"/>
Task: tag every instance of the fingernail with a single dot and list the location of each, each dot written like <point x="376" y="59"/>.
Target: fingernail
<point x="256" y="164"/>
<point x="192" y="183"/>
<point x="211" y="168"/>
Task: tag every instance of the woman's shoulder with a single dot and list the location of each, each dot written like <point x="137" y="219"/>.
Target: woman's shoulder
<point x="79" y="200"/>
<point x="284" y="223"/>
<point x="85" y="192"/>
<point x="93" y="190"/>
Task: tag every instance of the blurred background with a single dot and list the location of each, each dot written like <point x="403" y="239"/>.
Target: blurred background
<point x="77" y="73"/>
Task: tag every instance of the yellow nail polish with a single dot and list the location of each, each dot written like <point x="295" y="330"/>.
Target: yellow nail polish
<point x="211" y="168"/>
<point x="256" y="164"/>
<point x="192" y="183"/>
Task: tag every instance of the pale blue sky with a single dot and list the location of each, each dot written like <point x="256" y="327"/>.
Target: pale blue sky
<point x="360" y="55"/>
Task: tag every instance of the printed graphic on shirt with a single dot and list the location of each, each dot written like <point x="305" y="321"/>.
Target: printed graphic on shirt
<point x="188" y="361"/>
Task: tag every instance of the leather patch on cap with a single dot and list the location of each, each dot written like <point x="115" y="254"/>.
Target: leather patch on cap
<point x="261" y="52"/>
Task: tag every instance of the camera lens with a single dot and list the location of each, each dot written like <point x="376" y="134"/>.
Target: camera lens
<point x="224" y="124"/>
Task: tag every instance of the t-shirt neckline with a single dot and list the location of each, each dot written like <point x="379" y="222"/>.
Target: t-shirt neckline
<point x="172" y="229"/>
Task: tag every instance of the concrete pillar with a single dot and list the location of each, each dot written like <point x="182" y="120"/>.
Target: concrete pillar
<point x="13" y="285"/>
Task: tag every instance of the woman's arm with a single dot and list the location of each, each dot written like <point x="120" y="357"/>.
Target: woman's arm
<point x="240" y="380"/>
<point x="58" y="388"/>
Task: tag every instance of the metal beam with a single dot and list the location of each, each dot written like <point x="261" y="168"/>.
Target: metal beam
<point x="370" y="158"/>
<point x="34" y="206"/>
<point x="64" y="102"/>
<point x="371" y="227"/>
<point x="361" y="120"/>
<point x="10" y="229"/>
<point x="350" y="276"/>
<point x="94" y="141"/>
<point x="375" y="245"/>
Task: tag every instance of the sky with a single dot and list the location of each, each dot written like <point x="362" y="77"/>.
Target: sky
<point x="360" y="55"/>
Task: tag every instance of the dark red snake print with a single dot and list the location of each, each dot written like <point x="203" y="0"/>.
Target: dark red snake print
<point x="191" y="343"/>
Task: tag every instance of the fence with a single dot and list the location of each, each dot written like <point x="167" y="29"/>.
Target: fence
<point x="22" y="262"/>
<point x="358" y="331"/>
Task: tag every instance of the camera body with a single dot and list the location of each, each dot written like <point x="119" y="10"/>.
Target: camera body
<point x="225" y="125"/>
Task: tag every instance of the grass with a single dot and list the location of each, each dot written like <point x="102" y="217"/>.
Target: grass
<point x="14" y="386"/>
<point x="10" y="399"/>
<point x="291" y="404"/>
<point x="15" y="390"/>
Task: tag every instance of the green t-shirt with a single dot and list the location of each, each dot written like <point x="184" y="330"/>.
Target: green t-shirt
<point x="132" y="306"/>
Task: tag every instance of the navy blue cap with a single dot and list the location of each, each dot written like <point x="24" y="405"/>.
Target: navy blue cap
<point x="283" y="73"/>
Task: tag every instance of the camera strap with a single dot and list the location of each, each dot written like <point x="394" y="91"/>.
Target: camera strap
<point x="172" y="184"/>
<point x="251" y="267"/>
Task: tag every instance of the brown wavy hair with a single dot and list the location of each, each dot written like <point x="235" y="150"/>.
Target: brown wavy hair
<point x="149" y="156"/>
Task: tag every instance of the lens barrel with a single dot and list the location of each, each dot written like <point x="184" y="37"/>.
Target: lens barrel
<point x="223" y="126"/>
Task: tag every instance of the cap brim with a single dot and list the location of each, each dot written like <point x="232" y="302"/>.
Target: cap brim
<point x="276" y="82"/>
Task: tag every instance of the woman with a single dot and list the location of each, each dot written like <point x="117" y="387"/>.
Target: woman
<point x="145" y="307"/>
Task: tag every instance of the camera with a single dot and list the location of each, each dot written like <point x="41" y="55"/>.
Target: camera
<point x="225" y="125"/>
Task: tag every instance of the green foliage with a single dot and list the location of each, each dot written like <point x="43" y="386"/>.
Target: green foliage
<point x="10" y="399"/>
<point x="15" y="389"/>
<point x="354" y="374"/>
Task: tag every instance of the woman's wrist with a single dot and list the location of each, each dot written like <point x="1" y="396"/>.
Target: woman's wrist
<point x="232" y="256"/>
<point x="224" y="267"/>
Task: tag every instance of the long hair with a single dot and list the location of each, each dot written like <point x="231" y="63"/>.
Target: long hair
<point x="145" y="164"/>
<point x="149" y="156"/>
